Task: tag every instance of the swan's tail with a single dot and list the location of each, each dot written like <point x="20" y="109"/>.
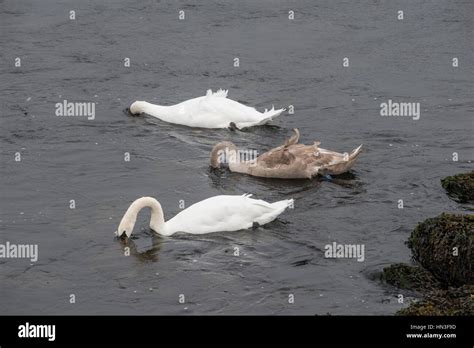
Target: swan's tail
<point x="280" y="206"/>
<point x="269" y="115"/>
<point x="352" y="158"/>
<point x="342" y="165"/>
<point x="275" y="209"/>
<point x="266" y="116"/>
<point x="355" y="153"/>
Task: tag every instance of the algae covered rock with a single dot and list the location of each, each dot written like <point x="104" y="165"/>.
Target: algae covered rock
<point x="460" y="187"/>
<point x="454" y="301"/>
<point x="410" y="277"/>
<point x="443" y="245"/>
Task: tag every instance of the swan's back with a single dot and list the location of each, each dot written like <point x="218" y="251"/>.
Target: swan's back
<point x="213" y="110"/>
<point x="225" y="213"/>
<point x="216" y="112"/>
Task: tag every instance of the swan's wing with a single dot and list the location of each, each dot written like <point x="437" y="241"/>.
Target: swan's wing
<point x="278" y="154"/>
<point x="220" y="93"/>
<point x="276" y="157"/>
<point x="287" y="154"/>
<point x="215" y="110"/>
<point x="293" y="161"/>
<point x="221" y="213"/>
<point x="293" y="139"/>
<point x="283" y="162"/>
<point x="218" y="110"/>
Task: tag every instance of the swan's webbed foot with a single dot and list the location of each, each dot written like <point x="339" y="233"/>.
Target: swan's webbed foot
<point x="233" y="126"/>
<point x="327" y="177"/>
<point x="255" y="225"/>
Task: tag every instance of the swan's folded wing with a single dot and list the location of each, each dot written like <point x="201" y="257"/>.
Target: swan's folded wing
<point x="219" y="213"/>
<point x="293" y="139"/>
<point x="224" y="110"/>
<point x="276" y="157"/>
<point x="220" y="93"/>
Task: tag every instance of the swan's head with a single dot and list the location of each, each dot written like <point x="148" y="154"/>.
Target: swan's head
<point x="222" y="152"/>
<point x="138" y="107"/>
<point x="126" y="226"/>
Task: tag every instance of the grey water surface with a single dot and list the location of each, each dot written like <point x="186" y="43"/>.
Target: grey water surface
<point x="282" y="62"/>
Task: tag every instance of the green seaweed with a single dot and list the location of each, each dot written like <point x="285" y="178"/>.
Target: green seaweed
<point x="460" y="187"/>
<point x="405" y="276"/>
<point x="443" y="245"/>
<point x="453" y="301"/>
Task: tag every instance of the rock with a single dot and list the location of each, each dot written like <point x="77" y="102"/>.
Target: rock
<point x="454" y="301"/>
<point x="460" y="187"/>
<point x="433" y="244"/>
<point x="410" y="277"/>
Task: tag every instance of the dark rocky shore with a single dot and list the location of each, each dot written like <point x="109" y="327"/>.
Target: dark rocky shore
<point x="443" y="255"/>
<point x="460" y="187"/>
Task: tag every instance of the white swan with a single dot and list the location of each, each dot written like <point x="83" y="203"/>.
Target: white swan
<point x="215" y="214"/>
<point x="213" y="110"/>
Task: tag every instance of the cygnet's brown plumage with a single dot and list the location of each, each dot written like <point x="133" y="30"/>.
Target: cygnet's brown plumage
<point x="288" y="161"/>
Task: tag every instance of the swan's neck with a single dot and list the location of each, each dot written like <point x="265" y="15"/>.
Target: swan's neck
<point x="221" y="153"/>
<point x="226" y="151"/>
<point x="237" y="164"/>
<point x="164" y="113"/>
<point x="157" y="221"/>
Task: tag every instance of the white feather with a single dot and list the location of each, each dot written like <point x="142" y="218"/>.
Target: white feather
<point x="214" y="110"/>
<point x="215" y="214"/>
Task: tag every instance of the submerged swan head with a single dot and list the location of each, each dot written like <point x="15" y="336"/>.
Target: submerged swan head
<point x="157" y="222"/>
<point x="138" y="107"/>
<point x="222" y="152"/>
